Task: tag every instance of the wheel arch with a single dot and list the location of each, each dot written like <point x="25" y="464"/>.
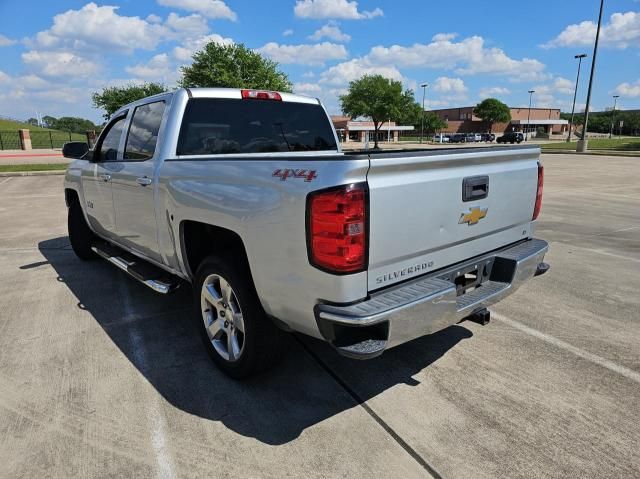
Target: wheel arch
<point x="71" y="196"/>
<point x="199" y="240"/>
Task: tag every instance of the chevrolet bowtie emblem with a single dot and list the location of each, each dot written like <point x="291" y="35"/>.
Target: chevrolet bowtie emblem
<point x="473" y="216"/>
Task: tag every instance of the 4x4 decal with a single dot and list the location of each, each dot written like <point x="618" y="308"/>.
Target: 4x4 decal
<point x="308" y="175"/>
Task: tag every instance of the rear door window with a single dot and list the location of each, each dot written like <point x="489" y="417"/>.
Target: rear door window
<point x="143" y="132"/>
<point x="228" y="126"/>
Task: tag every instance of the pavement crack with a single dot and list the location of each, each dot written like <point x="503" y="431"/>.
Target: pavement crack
<point x="381" y="422"/>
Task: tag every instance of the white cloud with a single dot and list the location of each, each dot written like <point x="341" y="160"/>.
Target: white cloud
<point x="491" y="92"/>
<point x="466" y="57"/>
<point x="450" y="85"/>
<point x="184" y="52"/>
<point x="443" y="37"/>
<point x="159" y="68"/>
<point x="630" y="90"/>
<point x="546" y="95"/>
<point x="430" y="104"/>
<point x="60" y="64"/>
<point x="306" y="88"/>
<point x="5" y="42"/>
<point x="563" y="86"/>
<point x="287" y="33"/>
<point x="345" y="9"/>
<point x="308" y="75"/>
<point x="332" y="32"/>
<point x="345" y="72"/>
<point x="4" y="78"/>
<point x="622" y="31"/>
<point x="304" y="54"/>
<point x="188" y="26"/>
<point x="153" y="18"/>
<point x="93" y="27"/>
<point x="208" y="8"/>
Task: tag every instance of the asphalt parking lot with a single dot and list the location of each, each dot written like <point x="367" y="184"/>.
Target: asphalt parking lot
<point x="101" y="377"/>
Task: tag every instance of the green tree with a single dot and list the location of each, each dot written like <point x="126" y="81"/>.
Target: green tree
<point x="74" y="124"/>
<point x="411" y="111"/>
<point x="492" y="111"/>
<point x="49" y="121"/>
<point x="433" y="122"/>
<point x="375" y="97"/>
<point x="112" y="98"/>
<point x="233" y="66"/>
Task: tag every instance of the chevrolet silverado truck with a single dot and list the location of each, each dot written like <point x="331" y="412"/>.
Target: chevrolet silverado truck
<point x="247" y="196"/>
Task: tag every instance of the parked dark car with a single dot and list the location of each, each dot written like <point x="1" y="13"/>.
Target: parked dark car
<point x="458" y="138"/>
<point x="511" y="137"/>
<point x="471" y="138"/>
<point x="488" y="137"/>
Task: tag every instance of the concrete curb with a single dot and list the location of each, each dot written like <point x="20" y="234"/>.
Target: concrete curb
<point x="594" y="153"/>
<point x="32" y="173"/>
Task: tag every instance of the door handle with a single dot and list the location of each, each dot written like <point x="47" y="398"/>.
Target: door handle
<point x="144" y="181"/>
<point x="105" y="177"/>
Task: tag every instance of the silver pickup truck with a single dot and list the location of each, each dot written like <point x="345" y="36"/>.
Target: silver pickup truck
<point x="247" y="195"/>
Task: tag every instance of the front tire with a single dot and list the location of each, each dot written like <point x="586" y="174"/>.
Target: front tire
<point x="80" y="236"/>
<point x="234" y="328"/>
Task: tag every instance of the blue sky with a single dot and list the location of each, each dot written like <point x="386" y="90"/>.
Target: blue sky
<point x="54" y="54"/>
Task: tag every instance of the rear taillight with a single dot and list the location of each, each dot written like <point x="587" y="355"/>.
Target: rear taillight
<point x="261" y="95"/>
<point x="337" y="229"/>
<point x="538" y="206"/>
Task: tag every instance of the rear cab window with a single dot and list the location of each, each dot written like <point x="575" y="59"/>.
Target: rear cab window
<point x="229" y="126"/>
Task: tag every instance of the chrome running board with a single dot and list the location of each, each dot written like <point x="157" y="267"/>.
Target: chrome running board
<point x="151" y="276"/>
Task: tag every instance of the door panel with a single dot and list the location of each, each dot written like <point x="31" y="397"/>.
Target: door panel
<point x="97" y="176"/>
<point x="98" y="198"/>
<point x="133" y="186"/>
<point x="134" y="207"/>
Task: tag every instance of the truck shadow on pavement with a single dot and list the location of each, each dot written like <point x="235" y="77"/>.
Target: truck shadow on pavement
<point x="156" y="334"/>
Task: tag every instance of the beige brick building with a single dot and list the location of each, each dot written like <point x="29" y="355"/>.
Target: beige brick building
<point x="356" y="130"/>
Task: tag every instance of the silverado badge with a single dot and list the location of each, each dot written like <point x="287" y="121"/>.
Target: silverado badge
<point x="473" y="216"/>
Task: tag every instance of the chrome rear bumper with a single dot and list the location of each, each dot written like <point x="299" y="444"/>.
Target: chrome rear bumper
<point x="428" y="304"/>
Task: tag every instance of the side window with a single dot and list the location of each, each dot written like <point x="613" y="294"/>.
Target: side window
<point x="109" y="145"/>
<point x="143" y="132"/>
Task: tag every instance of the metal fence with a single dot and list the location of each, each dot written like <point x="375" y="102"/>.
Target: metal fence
<point x="10" y="140"/>
<point x="53" y="139"/>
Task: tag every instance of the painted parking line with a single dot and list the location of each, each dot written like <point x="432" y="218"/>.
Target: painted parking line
<point x="594" y="358"/>
<point x="6" y="180"/>
<point x="165" y="467"/>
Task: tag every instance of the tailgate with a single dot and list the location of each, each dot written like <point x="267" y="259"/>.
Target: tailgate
<point x="419" y="221"/>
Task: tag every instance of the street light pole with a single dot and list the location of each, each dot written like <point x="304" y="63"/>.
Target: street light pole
<point x="575" y="93"/>
<point x="582" y="145"/>
<point x="531" y="92"/>
<point x="424" y="90"/>
<point x="613" y="114"/>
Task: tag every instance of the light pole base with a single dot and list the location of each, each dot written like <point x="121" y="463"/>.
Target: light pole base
<point x="582" y="146"/>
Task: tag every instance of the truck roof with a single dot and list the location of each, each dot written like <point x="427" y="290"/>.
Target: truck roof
<point x="235" y="93"/>
<point x="230" y="93"/>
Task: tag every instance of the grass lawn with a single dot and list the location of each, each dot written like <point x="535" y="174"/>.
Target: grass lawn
<point x="10" y="125"/>
<point x="40" y="137"/>
<point x="615" y="144"/>
<point x="33" y="167"/>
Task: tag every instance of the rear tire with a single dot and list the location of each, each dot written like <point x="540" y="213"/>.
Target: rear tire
<point x="234" y="328"/>
<point x="80" y="236"/>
